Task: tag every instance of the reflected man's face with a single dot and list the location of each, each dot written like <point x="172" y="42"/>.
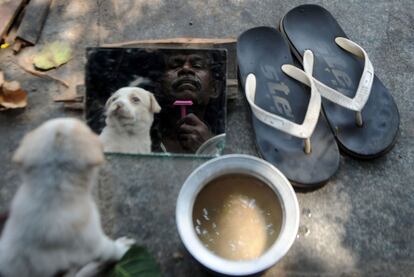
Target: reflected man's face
<point x="188" y="77"/>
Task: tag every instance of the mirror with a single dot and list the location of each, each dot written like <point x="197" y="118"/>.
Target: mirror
<point x="157" y="101"/>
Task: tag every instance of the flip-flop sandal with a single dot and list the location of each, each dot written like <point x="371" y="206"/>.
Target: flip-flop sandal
<point x="291" y="133"/>
<point x="360" y="110"/>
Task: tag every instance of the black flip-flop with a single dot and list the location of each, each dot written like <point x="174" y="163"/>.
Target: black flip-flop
<point x="360" y="110"/>
<point x="282" y="120"/>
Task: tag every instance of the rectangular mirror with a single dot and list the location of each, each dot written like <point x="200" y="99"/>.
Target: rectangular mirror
<point x="157" y="101"/>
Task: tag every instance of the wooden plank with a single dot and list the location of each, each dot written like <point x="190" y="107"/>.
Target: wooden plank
<point x="8" y="11"/>
<point x="172" y="41"/>
<point x="33" y="21"/>
<point x="74" y="106"/>
<point x="10" y="36"/>
<point x="68" y="97"/>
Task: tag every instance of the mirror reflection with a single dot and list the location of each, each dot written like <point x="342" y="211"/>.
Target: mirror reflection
<point x="145" y="101"/>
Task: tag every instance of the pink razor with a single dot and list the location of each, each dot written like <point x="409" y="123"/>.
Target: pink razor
<point x="183" y="105"/>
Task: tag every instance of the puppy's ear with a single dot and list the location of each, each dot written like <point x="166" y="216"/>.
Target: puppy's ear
<point x="25" y="147"/>
<point x="57" y="142"/>
<point x="87" y="146"/>
<point x="39" y="147"/>
<point x="154" y="106"/>
<point x="84" y="146"/>
<point x="108" y="101"/>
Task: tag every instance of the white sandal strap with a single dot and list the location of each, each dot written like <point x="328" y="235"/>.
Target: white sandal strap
<point x="303" y="130"/>
<point x="358" y="102"/>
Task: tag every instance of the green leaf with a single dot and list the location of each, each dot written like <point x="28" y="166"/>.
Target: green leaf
<point x="53" y="55"/>
<point x="137" y="262"/>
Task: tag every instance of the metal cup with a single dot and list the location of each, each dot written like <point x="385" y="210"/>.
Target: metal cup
<point x="246" y="165"/>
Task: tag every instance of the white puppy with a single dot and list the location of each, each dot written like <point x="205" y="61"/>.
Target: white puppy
<point x="129" y="116"/>
<point x="54" y="224"/>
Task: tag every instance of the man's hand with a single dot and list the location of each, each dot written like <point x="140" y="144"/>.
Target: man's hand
<point x="192" y="132"/>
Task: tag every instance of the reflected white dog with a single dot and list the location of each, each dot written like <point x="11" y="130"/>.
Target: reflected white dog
<point x="129" y="117"/>
<point x="54" y="225"/>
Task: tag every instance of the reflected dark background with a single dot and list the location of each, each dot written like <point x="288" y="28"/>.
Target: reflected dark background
<point x="109" y="69"/>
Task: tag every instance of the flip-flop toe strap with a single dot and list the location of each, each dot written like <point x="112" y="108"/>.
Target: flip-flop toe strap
<point x="303" y="130"/>
<point x="358" y="102"/>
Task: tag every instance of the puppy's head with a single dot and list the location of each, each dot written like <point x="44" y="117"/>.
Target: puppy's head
<point x="132" y="106"/>
<point x="60" y="142"/>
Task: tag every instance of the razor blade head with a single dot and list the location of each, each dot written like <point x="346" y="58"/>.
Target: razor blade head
<point x="183" y="103"/>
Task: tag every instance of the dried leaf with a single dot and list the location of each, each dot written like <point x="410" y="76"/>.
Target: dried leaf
<point x="26" y="63"/>
<point x="12" y="96"/>
<point x="53" y="55"/>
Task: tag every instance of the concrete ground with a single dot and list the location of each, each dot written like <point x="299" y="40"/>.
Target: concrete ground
<point x="359" y="224"/>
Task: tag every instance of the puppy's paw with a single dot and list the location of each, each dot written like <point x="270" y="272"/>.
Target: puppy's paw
<point x="123" y="244"/>
<point x="128" y="242"/>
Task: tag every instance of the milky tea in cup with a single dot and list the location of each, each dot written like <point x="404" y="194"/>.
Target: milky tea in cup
<point x="237" y="217"/>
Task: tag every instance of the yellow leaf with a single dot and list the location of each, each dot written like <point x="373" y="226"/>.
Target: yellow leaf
<point x="53" y="55"/>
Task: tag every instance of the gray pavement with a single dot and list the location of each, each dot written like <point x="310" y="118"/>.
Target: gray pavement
<point x="359" y="224"/>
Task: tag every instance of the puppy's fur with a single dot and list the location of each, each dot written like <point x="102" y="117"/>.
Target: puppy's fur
<point x="54" y="224"/>
<point x="129" y="116"/>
